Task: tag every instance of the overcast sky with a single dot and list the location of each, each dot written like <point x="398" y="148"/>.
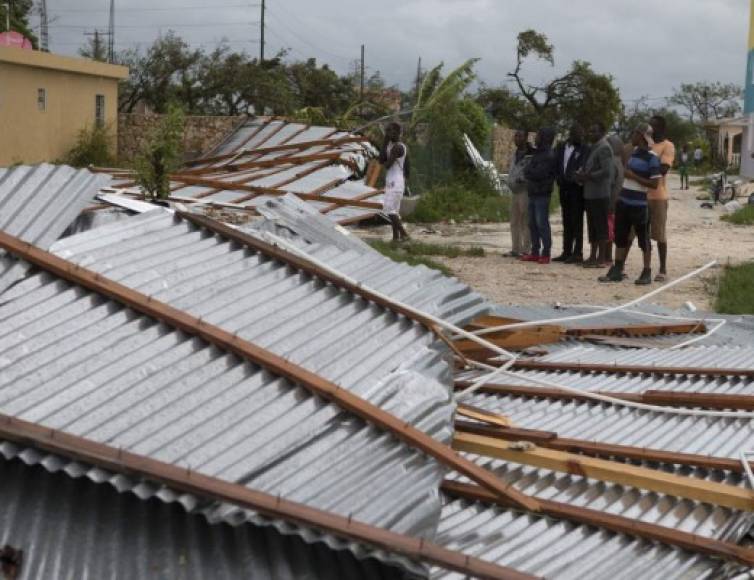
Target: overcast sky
<point x="649" y="47"/>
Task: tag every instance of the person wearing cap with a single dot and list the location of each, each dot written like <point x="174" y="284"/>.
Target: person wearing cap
<point x="642" y="173"/>
<point x="658" y="198"/>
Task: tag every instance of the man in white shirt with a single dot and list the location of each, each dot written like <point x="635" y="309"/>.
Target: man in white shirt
<point x="393" y="156"/>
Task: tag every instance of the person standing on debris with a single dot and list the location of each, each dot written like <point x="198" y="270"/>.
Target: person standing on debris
<point x="642" y="173"/>
<point x="683" y="167"/>
<point x="570" y="157"/>
<point x="393" y="156"/>
<point x="540" y="176"/>
<point x="597" y="177"/>
<point x="520" y="237"/>
<point x="659" y="198"/>
<point x="619" y="167"/>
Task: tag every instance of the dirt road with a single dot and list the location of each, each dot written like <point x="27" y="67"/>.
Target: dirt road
<point x="695" y="237"/>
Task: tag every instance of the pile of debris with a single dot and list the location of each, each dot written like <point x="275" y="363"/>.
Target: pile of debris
<point x="181" y="397"/>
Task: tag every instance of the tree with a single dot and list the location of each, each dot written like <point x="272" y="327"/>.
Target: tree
<point x="679" y="130"/>
<point x="167" y="72"/>
<point x="320" y="87"/>
<point x="579" y="96"/>
<point x="161" y="154"/>
<point x="707" y="101"/>
<point x="20" y="10"/>
<point x="95" y="48"/>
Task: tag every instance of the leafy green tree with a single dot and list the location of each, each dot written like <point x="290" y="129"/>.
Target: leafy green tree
<point x="704" y="102"/>
<point x="581" y="95"/>
<point x="161" y="155"/>
<point x="321" y="87"/>
<point x="168" y="72"/>
<point x="680" y="130"/>
<point x="93" y="147"/>
<point x="94" y="48"/>
<point x="20" y="10"/>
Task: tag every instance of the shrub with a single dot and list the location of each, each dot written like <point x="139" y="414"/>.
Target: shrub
<point x="92" y="148"/>
<point x="397" y="254"/>
<point x="743" y="217"/>
<point x="161" y="155"/>
<point x="469" y="197"/>
<point x="735" y="295"/>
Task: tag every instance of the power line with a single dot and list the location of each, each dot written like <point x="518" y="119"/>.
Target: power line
<point x="158" y="25"/>
<point x="280" y="20"/>
<point x="161" y="9"/>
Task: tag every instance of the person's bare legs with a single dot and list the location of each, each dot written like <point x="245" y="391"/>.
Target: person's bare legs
<point x="662" y="252"/>
<point x="399" y="232"/>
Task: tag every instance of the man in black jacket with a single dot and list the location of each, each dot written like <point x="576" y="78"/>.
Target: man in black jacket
<point x="570" y="157"/>
<point x="540" y="177"/>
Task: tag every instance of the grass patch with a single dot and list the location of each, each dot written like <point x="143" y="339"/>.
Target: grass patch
<point x="415" y="248"/>
<point x="411" y="253"/>
<point x="735" y="295"/>
<point x="743" y="217"/>
<point x="468" y="197"/>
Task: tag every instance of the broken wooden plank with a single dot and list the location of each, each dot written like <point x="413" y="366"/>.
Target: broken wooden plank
<point x="603" y="470"/>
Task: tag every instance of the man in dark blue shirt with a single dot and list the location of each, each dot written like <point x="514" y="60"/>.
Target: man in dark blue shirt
<point x="643" y="172"/>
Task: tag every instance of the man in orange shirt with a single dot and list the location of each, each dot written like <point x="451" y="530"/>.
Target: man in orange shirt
<point x="658" y="199"/>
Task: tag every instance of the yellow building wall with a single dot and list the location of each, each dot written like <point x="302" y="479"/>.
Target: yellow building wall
<point x="28" y="135"/>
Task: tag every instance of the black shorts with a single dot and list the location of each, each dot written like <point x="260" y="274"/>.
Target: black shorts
<point x="596" y="217"/>
<point x="628" y="217"/>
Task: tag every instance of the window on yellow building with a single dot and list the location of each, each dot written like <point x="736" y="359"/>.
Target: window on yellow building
<point x="99" y="110"/>
<point x="42" y="99"/>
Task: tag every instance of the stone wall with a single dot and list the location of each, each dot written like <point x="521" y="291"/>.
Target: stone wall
<point x="503" y="147"/>
<point x="201" y="133"/>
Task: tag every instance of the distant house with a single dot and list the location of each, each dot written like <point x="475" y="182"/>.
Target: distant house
<point x="731" y="141"/>
<point x="46" y="99"/>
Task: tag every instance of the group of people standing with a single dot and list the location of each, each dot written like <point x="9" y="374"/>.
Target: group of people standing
<point x="621" y="189"/>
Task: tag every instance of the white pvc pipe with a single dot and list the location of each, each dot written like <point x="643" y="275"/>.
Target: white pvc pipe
<point x="612" y="400"/>
<point x="286" y="245"/>
<point x="600" y="313"/>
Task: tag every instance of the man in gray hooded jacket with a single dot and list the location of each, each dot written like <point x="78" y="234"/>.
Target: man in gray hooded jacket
<point x="597" y="177"/>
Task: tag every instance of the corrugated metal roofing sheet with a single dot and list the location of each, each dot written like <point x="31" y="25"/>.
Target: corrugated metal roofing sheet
<point x="38" y="203"/>
<point x="559" y="550"/>
<point x="72" y="529"/>
<point x="87" y="366"/>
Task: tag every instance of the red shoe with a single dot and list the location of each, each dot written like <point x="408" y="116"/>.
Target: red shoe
<point x="544" y="260"/>
<point x="529" y="258"/>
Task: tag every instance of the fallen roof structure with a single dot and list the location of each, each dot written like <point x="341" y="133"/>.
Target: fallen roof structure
<point x="38" y="203"/>
<point x="300" y="394"/>
<point x="266" y="158"/>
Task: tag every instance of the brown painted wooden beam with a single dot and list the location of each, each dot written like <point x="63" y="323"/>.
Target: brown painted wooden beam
<point x="641" y="330"/>
<point x="257" y="355"/>
<point x="184" y="480"/>
<point x="583" y="516"/>
<point x="651" y="397"/>
<point x="575" y="367"/>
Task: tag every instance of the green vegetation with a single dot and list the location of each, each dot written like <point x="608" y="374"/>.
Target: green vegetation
<point x="415" y="248"/>
<point x="161" y="155"/>
<point x="398" y="253"/>
<point x="735" y="295"/>
<point x="92" y="147"/>
<point x="743" y="217"/>
<point x="468" y="197"/>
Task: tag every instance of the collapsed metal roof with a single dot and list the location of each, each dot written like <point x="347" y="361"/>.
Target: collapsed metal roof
<point x="267" y="158"/>
<point x="38" y="203"/>
<point x="71" y="529"/>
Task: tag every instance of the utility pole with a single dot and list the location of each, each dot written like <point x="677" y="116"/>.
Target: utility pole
<point x="44" y="29"/>
<point x="111" y="34"/>
<point x="418" y="77"/>
<point x="361" y="93"/>
<point x="261" y="34"/>
<point x="7" y="15"/>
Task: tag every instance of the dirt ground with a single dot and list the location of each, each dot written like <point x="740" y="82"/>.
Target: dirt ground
<point x="696" y="236"/>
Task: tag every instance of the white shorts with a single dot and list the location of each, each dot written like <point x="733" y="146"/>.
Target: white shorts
<point x="391" y="203"/>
